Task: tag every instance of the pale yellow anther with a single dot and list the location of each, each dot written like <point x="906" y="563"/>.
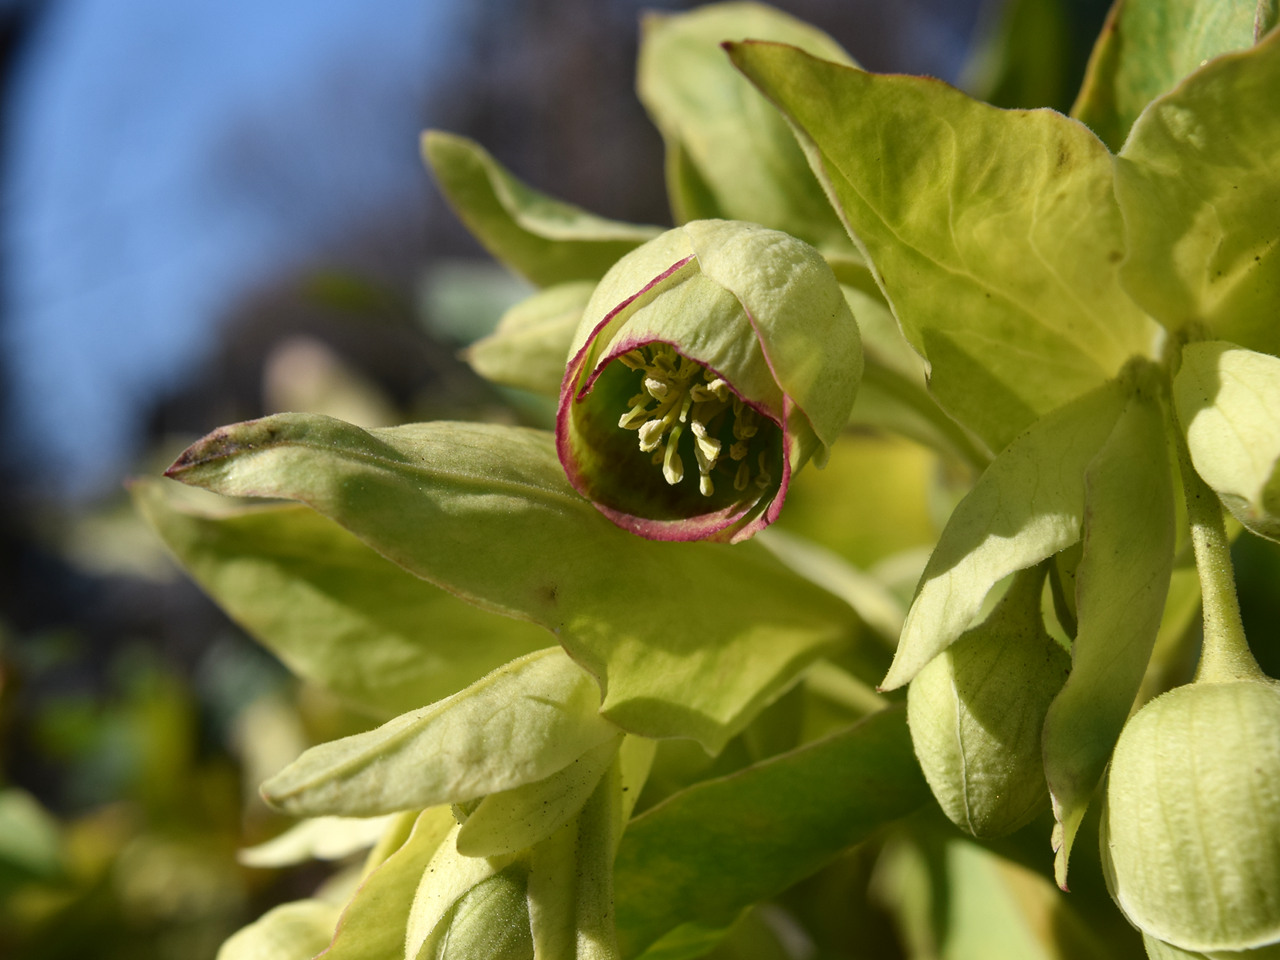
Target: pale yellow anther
<point x="708" y="447"/>
<point x="657" y="388"/>
<point x="651" y="435"/>
<point x="685" y="405"/>
<point x="672" y="465"/>
<point x="738" y="451"/>
<point x="633" y="418"/>
<point x="762" y="478"/>
<point x="720" y="388"/>
<point x="741" y="477"/>
<point x="705" y="486"/>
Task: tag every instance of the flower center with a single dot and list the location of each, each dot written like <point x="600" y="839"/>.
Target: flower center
<point x="678" y="393"/>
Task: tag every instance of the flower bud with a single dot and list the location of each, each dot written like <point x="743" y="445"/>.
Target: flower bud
<point x="976" y="712"/>
<point x="710" y="365"/>
<point x="1191" y="830"/>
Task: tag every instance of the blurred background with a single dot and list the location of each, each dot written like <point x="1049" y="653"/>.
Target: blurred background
<point x="210" y="211"/>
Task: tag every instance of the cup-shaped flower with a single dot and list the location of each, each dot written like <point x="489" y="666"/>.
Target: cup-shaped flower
<point x="709" y="366"/>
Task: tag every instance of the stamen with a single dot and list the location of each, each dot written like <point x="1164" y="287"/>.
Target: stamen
<point x="672" y="465"/>
<point x="651" y="435"/>
<point x="668" y="399"/>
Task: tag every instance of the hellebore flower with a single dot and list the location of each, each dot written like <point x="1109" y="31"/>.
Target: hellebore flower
<point x="710" y="364"/>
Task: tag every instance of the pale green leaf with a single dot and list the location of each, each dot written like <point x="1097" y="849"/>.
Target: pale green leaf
<point x="30" y="841"/>
<point x="332" y="609"/>
<point x="545" y="240"/>
<point x="512" y="820"/>
<point x="321" y="838"/>
<point x="1146" y="47"/>
<point x="708" y="851"/>
<point x="446" y="881"/>
<point x="1028" y="505"/>
<point x="996" y="240"/>
<point x="729" y="152"/>
<point x="1121" y="585"/>
<point x="955" y="900"/>
<point x="1228" y="403"/>
<point x="521" y="723"/>
<point x="689" y="639"/>
<point x="530" y="347"/>
<point x="372" y="926"/>
<point x="1196" y="181"/>
<point x="570" y="880"/>
<point x="976" y="711"/>
<point x="291" y="931"/>
<point x="490" y="921"/>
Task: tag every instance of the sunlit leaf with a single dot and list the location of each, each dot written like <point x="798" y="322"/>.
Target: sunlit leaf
<point x="1146" y="47"/>
<point x="521" y="723"/>
<point x="372" y="926"/>
<point x="1121" y="585"/>
<point x="330" y="607"/>
<point x="513" y="820"/>
<point x="321" y="838"/>
<point x="1196" y="181"/>
<point x="719" y="846"/>
<point x="545" y="240"/>
<point x="996" y="239"/>
<point x="729" y="152"/>
<point x="291" y="931"/>
<point x="530" y="347"/>
<point x="1228" y="403"/>
<point x="1028" y="505"/>
<point x="689" y="639"/>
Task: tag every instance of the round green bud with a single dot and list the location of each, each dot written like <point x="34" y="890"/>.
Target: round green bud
<point x="1191" y="829"/>
<point x="976" y="713"/>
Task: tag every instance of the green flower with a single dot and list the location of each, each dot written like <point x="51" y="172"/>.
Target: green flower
<point x="709" y="366"/>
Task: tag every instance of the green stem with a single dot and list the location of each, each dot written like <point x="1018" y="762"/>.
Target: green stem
<point x="1225" y="655"/>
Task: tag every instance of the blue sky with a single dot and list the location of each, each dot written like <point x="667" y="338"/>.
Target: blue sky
<point x="166" y="156"/>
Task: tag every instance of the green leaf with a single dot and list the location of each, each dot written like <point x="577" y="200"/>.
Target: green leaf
<point x="1028" y="505"/>
<point x="996" y="239"/>
<point x="513" y="820"/>
<point x="542" y="239"/>
<point x="689" y="639"/>
<point x="729" y="153"/>
<point x="707" y="852"/>
<point x="1228" y="402"/>
<point x="448" y="879"/>
<point x="976" y="711"/>
<point x="521" y="723"/>
<point x="530" y="347"/>
<point x="570" y="881"/>
<point x="1146" y="47"/>
<point x="291" y="931"/>
<point x="490" y="921"/>
<point x="1196" y="181"/>
<point x="1121" y="585"/>
<point x="372" y="926"/>
<point x="30" y="844"/>
<point x="955" y="900"/>
<point x="332" y="609"/>
<point x="320" y="838"/>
